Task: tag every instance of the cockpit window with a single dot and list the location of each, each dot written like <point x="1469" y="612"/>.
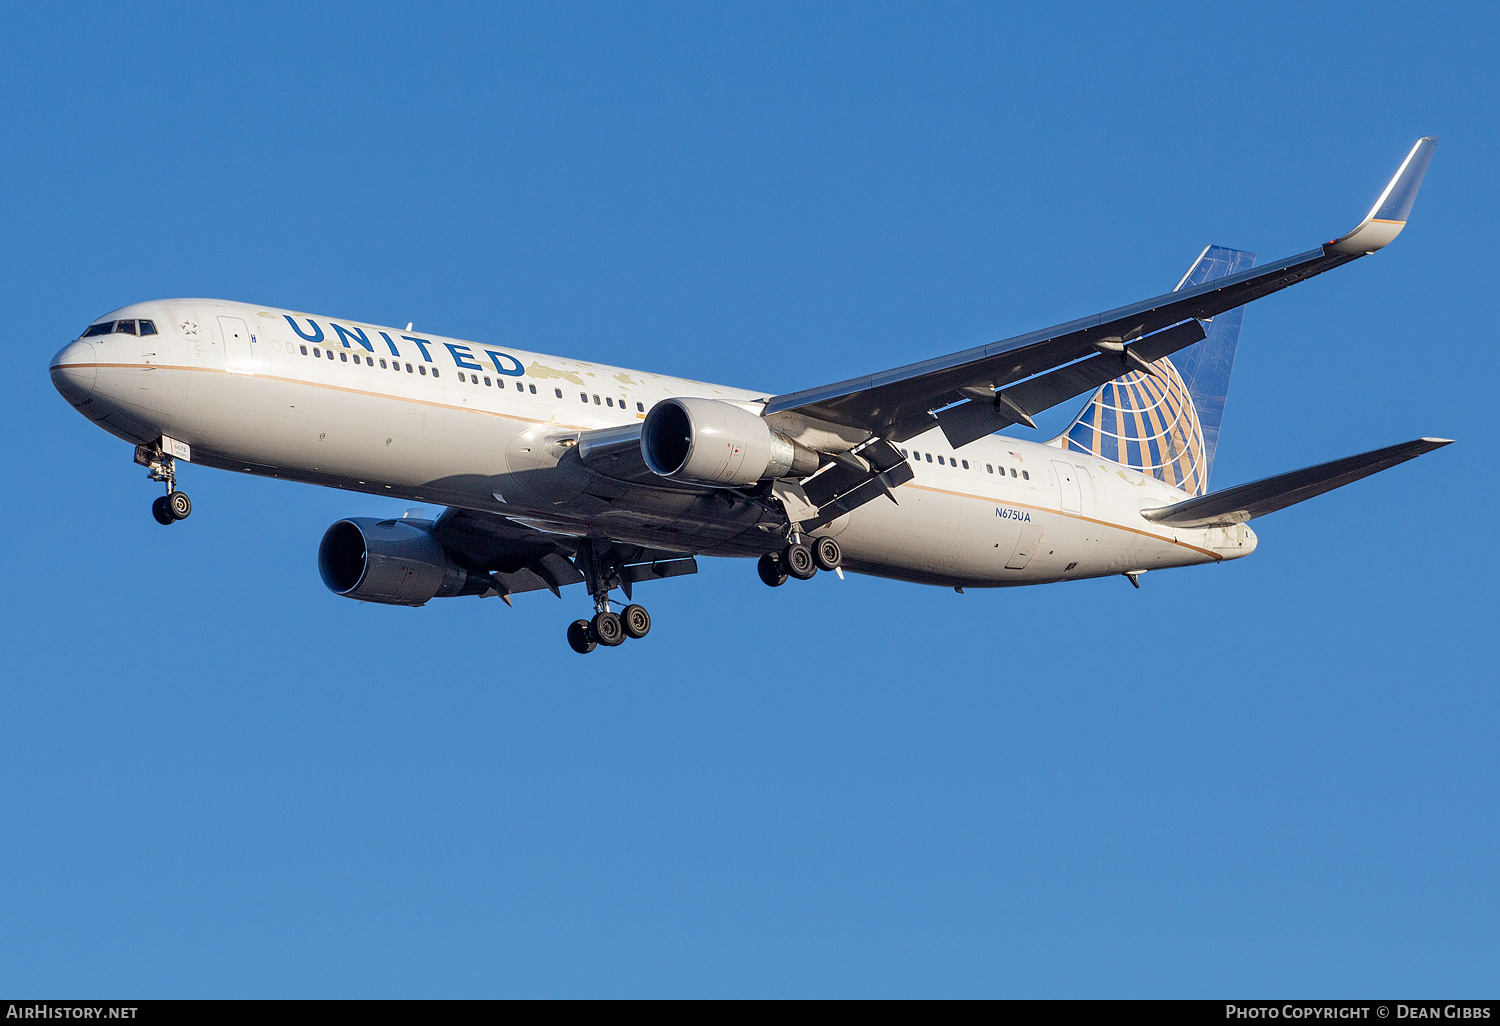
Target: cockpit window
<point x="127" y="327"/>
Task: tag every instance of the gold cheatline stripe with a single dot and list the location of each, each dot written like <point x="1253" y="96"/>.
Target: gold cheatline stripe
<point x="529" y="420"/>
<point x="1064" y="513"/>
<point x="341" y="388"/>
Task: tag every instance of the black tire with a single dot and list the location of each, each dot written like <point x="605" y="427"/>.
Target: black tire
<point x="770" y="569"/>
<point x="827" y="554"/>
<point x="607" y="630"/>
<point x="636" y="620"/>
<point x="179" y="505"/>
<point x="579" y="638"/>
<point x="162" y="512"/>
<point x="798" y="560"/>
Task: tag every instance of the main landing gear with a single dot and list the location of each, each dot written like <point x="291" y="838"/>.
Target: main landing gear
<point x="800" y="560"/>
<point x="607" y="627"/>
<point x="175" y="505"/>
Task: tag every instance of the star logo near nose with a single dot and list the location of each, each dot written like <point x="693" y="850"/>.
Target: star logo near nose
<point x="189" y="327"/>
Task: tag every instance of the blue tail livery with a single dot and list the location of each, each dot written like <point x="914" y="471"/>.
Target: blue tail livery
<point x="1168" y="425"/>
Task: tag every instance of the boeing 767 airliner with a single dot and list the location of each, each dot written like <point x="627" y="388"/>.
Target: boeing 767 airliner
<point x="558" y="472"/>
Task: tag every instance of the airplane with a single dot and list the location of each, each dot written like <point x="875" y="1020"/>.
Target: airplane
<point x="557" y="472"/>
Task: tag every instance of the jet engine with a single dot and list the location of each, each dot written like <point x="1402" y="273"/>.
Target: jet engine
<point x="396" y="562"/>
<point x="708" y="442"/>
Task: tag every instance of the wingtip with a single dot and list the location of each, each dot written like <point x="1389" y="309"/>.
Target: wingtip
<point x="1388" y="216"/>
<point x="1438" y="443"/>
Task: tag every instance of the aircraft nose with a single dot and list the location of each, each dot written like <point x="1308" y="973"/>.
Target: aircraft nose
<point x="73" y="371"/>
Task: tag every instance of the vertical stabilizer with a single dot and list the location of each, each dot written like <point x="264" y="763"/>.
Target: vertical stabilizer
<point x="1167" y="425"/>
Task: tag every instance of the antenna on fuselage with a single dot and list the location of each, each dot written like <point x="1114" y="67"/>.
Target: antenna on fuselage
<point x="408" y="325"/>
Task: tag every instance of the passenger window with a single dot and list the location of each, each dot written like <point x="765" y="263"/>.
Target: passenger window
<point x="304" y="350"/>
<point x="317" y="353"/>
<point x="461" y="377"/>
<point x="1025" y="475"/>
<point x="1012" y="471"/>
<point x="99" y="329"/>
<point x="558" y="391"/>
<point x="596" y="400"/>
<point x="903" y="454"/>
<point x="486" y="382"/>
<point x="533" y="390"/>
<point x="929" y="457"/>
<point x="369" y="361"/>
<point x="940" y="461"/>
<point x="343" y="358"/>
<point x="330" y="354"/>
<point x="609" y="402"/>
<point x="148" y="327"/>
<point x="520" y="387"/>
<point x="408" y="368"/>
<point x="584" y="396"/>
<point x="989" y="468"/>
<point x="421" y="368"/>
<point x="966" y="464"/>
<point x="640" y="407"/>
<point x="125" y="327"/>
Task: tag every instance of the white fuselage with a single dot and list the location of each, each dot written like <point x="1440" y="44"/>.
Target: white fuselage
<point x="482" y="427"/>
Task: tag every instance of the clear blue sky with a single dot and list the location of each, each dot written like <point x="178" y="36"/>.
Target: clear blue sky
<point x="1274" y="777"/>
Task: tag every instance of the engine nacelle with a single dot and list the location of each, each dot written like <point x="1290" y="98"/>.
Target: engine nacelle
<point x="391" y="561"/>
<point x="705" y="441"/>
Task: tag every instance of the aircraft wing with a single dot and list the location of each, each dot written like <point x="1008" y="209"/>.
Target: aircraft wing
<point x="898" y="404"/>
<point x="1256" y="499"/>
<point x="521" y="558"/>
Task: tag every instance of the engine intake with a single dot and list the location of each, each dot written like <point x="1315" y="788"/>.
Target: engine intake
<point x="391" y="561"/>
<point x="705" y="441"/>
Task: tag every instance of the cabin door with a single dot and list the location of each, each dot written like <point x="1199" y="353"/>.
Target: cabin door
<point x="238" y="358"/>
<point x="1067" y="486"/>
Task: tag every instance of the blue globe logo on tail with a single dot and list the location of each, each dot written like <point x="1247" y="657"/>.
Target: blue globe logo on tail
<point x="1148" y="423"/>
<point x="1167" y="424"/>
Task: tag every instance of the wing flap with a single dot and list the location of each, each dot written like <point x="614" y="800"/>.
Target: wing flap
<point x="1248" y="501"/>
<point x="972" y="420"/>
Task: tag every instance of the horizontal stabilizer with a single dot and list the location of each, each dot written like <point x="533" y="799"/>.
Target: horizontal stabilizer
<point x="1256" y="499"/>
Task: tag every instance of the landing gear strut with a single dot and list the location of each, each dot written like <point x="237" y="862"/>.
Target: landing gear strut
<point x="175" y="505"/>
<point x="608" y="628"/>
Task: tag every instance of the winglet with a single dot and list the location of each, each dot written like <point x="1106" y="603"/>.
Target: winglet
<point x="1388" y="216"/>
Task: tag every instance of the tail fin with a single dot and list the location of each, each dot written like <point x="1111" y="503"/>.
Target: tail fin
<point x="1168" y="425"/>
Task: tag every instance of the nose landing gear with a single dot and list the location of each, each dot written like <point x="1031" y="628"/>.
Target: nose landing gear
<point x="160" y="466"/>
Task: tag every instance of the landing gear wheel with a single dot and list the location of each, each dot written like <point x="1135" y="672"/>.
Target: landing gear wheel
<point x="827" y="554"/>
<point x="770" y="569"/>
<point x="179" y="505"/>
<point x="578" y="637"/>
<point x="607" y="629"/>
<point x="798" y="560"/>
<point x="161" y="512"/>
<point x="636" y="620"/>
